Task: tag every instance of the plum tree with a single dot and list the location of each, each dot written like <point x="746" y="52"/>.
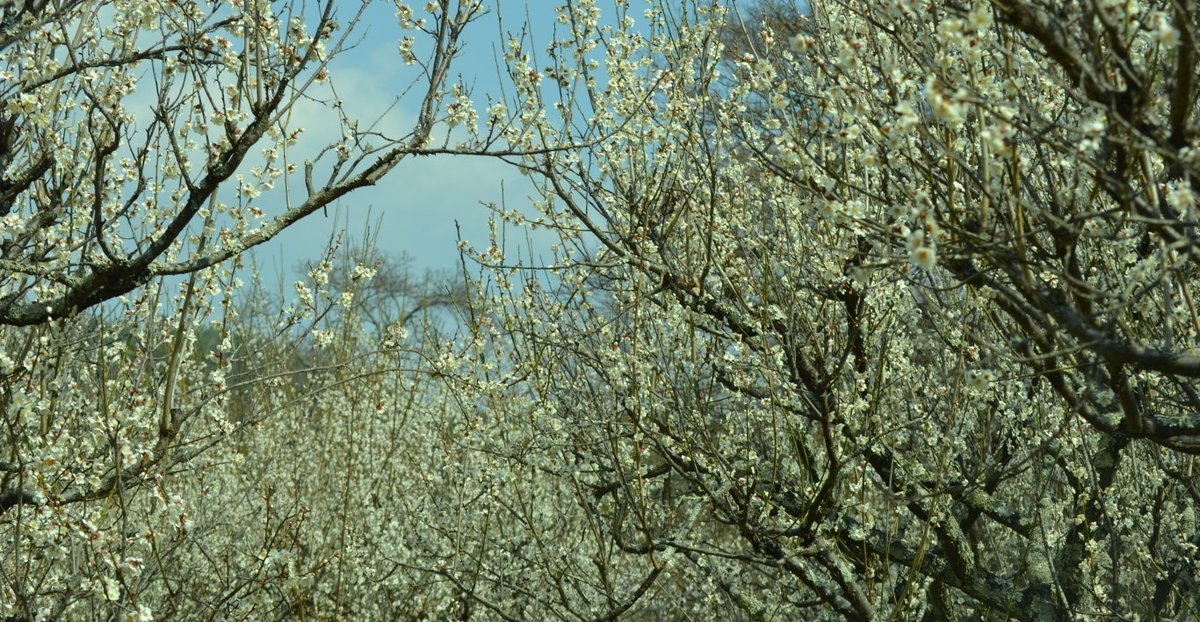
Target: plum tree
<point x="857" y="310"/>
<point x="894" y="317"/>
<point x="141" y="141"/>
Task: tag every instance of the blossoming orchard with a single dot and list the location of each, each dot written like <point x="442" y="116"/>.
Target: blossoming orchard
<point x="851" y="309"/>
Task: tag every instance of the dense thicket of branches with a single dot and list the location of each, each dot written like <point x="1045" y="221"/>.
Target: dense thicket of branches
<point x="890" y="313"/>
<point x="141" y="140"/>
<point x="858" y="310"/>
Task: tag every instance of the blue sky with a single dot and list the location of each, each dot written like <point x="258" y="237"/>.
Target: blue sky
<point x="415" y="207"/>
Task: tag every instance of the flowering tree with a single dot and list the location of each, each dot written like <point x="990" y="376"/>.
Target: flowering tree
<point x="139" y="141"/>
<point x="882" y="310"/>
<point x="893" y="319"/>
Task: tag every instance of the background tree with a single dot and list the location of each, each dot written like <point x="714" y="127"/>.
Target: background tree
<point x="331" y="472"/>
